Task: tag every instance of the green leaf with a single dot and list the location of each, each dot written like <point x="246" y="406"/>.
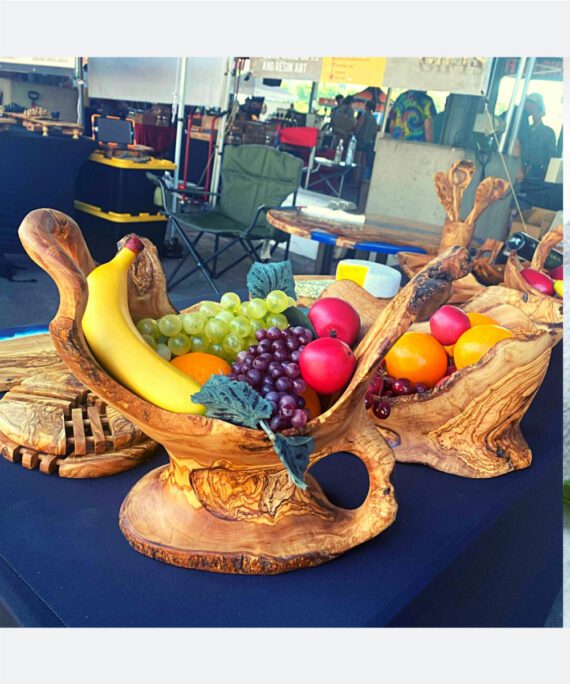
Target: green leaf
<point x="263" y="278"/>
<point x="233" y="401"/>
<point x="297" y="315"/>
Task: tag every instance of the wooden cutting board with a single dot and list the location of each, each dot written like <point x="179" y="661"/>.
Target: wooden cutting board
<point x="24" y="356"/>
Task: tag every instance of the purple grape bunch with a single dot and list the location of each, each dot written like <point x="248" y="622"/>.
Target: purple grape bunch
<point x="272" y="368"/>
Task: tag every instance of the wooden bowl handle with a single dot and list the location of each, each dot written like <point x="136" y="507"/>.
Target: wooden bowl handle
<point x="423" y="291"/>
<point x="545" y="246"/>
<point x="54" y="241"/>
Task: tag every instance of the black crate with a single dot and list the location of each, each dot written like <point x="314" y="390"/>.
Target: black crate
<point x="102" y="230"/>
<point x="120" y="185"/>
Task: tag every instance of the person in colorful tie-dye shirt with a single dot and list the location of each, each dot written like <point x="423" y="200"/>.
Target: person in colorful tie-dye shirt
<point x="411" y="117"/>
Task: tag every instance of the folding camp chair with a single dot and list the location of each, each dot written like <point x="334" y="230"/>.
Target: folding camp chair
<point x="255" y="178"/>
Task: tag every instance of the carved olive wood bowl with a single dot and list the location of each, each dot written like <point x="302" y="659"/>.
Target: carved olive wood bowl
<point x="225" y="503"/>
<point x="551" y="310"/>
<point x="470" y="424"/>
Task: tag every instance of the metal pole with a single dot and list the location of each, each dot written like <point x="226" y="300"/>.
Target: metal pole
<point x="79" y="83"/>
<point x="386" y="112"/>
<point x="520" y="110"/>
<point x="178" y="101"/>
<point x="511" y="108"/>
<point x="224" y="106"/>
<point x="314" y="88"/>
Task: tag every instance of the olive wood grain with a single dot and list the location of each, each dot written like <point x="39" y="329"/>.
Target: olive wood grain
<point x="53" y="420"/>
<point x="470" y="424"/>
<point x="552" y="311"/>
<point x="225" y="503"/>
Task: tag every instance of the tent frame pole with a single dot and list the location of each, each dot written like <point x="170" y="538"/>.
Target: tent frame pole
<point x="219" y="149"/>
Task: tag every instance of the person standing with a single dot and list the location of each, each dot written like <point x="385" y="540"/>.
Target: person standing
<point x="342" y="120"/>
<point x="365" y="131"/>
<point x="538" y="142"/>
<point x="412" y="115"/>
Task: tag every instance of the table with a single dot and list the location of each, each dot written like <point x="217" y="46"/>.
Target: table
<point x="380" y="234"/>
<point x="339" y="170"/>
<point x="37" y="171"/>
<point x="461" y="553"/>
<point x="159" y="138"/>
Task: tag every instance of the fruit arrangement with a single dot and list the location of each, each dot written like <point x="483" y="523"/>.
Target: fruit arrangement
<point x="419" y="361"/>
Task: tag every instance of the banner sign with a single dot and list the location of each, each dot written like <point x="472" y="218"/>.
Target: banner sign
<point x="368" y="71"/>
<point x="298" y="68"/>
<point x="43" y="64"/>
<point x="461" y="75"/>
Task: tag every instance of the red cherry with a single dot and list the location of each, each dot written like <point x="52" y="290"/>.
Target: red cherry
<point x="381" y="410"/>
<point x="403" y="386"/>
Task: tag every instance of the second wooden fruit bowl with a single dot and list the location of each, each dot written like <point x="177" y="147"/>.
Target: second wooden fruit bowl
<point x="470" y="424"/>
<point x="225" y="503"/>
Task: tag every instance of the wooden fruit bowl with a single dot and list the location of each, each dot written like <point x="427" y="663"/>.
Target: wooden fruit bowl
<point x="470" y="424"/>
<point x="551" y="309"/>
<point x="225" y="503"/>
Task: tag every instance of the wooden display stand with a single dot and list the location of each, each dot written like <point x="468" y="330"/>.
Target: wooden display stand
<point x="225" y="502"/>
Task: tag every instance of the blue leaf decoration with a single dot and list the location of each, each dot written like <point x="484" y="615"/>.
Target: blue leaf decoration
<point x="294" y="454"/>
<point x="233" y="401"/>
<point x="263" y="278"/>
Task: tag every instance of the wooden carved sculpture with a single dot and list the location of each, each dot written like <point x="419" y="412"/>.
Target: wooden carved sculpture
<point x="225" y="503"/>
<point x="450" y="188"/>
<point x="552" y="310"/>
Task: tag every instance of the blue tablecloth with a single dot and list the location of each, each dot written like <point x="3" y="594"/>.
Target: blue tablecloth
<point x="461" y="553"/>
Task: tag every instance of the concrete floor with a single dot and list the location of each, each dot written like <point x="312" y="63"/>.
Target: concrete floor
<point x="24" y="303"/>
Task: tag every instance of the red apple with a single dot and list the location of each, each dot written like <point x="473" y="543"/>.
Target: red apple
<point x="333" y="317"/>
<point x="448" y="323"/>
<point x="327" y="364"/>
<point x="557" y="273"/>
<point x="540" y="281"/>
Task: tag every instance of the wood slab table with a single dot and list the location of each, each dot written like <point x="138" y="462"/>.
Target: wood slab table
<point x="380" y="234"/>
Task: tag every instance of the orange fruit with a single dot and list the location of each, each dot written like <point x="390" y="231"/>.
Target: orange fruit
<point x="201" y="366"/>
<point x="418" y="357"/>
<point x="481" y="319"/>
<point x="312" y="402"/>
<point x="472" y="346"/>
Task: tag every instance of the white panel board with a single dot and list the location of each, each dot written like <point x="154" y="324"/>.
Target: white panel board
<point x="153" y="79"/>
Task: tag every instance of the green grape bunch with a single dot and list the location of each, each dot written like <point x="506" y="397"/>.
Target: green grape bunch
<point x="223" y="328"/>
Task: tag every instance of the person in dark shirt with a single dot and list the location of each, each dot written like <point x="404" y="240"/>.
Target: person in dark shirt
<point x="342" y="120"/>
<point x="538" y="142"/>
<point x="365" y="131"/>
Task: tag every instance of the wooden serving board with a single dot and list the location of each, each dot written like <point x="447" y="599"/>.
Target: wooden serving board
<point x="51" y="421"/>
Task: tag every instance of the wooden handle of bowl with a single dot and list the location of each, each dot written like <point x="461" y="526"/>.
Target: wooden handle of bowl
<point x="545" y="246"/>
<point x="426" y="287"/>
<point x="54" y="241"/>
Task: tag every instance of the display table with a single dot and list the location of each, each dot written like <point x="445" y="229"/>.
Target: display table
<point x="36" y="171"/>
<point x="462" y="552"/>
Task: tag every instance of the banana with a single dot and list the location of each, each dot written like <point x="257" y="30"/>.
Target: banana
<point x="121" y="349"/>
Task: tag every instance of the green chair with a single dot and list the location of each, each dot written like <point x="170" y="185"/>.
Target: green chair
<point x="255" y="178"/>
